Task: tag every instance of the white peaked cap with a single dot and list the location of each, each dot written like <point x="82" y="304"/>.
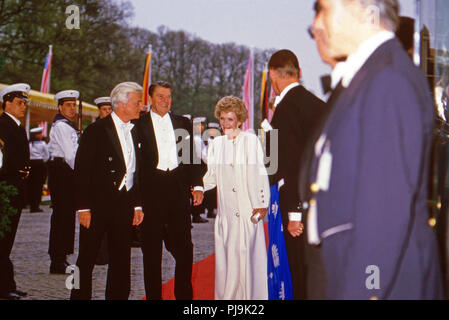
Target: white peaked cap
<point x="36" y="130"/>
<point x="23" y="88"/>
<point x="103" y="100"/>
<point x="188" y="116"/>
<point x="199" y="119"/>
<point x="213" y="125"/>
<point x="66" y="94"/>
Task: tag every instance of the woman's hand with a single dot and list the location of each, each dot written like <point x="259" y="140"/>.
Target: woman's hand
<point x="261" y="211"/>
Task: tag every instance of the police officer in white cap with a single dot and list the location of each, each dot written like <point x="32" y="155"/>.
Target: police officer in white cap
<point x="104" y="105"/>
<point x="39" y="155"/>
<point x="63" y="146"/>
<point x="14" y="171"/>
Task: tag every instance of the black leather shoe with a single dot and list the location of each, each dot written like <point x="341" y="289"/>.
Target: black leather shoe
<point x="199" y="220"/>
<point x="10" y="296"/>
<point x="58" y="267"/>
<point x="20" y="292"/>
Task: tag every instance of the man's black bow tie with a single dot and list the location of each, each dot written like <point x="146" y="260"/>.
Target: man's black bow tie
<point x="326" y="83"/>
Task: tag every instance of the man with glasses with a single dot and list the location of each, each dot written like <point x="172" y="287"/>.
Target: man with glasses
<point x="14" y="171"/>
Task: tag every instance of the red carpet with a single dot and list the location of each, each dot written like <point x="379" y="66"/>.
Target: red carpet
<point x="203" y="278"/>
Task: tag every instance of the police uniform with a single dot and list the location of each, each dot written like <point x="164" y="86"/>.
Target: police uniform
<point x="13" y="172"/>
<point x="63" y="146"/>
<point x="39" y="155"/>
<point x="210" y="196"/>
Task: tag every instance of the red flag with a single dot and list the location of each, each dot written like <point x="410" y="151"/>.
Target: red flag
<point x="45" y="83"/>
<point x="248" y="94"/>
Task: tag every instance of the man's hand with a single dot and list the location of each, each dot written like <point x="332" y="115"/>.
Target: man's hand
<point x="84" y="218"/>
<point x="197" y="197"/>
<point x="138" y="217"/>
<point x="296" y="228"/>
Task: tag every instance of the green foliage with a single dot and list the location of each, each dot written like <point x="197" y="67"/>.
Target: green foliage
<point x="6" y="211"/>
<point x="106" y="50"/>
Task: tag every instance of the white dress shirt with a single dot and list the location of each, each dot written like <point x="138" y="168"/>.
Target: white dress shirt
<point x="63" y="142"/>
<point x="129" y="154"/>
<point x="166" y="141"/>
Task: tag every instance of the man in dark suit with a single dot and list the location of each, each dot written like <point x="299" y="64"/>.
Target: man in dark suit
<point x="108" y="192"/>
<point x="170" y="173"/>
<point x="297" y="112"/>
<point x="371" y="165"/>
<point x="14" y="171"/>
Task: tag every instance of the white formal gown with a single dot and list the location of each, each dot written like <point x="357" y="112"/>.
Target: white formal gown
<point x="236" y="168"/>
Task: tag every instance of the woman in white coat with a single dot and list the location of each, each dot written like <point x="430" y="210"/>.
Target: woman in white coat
<point x="235" y="166"/>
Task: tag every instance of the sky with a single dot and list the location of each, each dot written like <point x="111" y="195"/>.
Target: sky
<point x="264" y="24"/>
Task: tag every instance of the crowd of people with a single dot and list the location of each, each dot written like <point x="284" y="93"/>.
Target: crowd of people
<point x="351" y="184"/>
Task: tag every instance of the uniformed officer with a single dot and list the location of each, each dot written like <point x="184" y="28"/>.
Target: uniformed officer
<point x="104" y="105"/>
<point x="210" y="196"/>
<point x="63" y="146"/>
<point x="39" y="156"/>
<point x="14" y="171"/>
<point x="201" y="152"/>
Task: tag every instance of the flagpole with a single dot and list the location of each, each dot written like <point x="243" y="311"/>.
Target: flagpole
<point x="251" y="124"/>
<point x="50" y="52"/>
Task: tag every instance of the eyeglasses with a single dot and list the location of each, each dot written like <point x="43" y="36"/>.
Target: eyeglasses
<point x="311" y="32"/>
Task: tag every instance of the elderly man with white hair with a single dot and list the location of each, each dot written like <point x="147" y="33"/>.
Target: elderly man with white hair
<point x="108" y="199"/>
<point x="370" y="170"/>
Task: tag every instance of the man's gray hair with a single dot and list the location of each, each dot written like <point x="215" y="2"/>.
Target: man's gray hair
<point x="121" y="91"/>
<point x="388" y="11"/>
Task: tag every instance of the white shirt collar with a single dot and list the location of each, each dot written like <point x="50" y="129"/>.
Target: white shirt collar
<point x="356" y="60"/>
<point x="154" y="115"/>
<point x="14" y="118"/>
<point x="337" y="74"/>
<point x="119" y="122"/>
<point x="284" y="92"/>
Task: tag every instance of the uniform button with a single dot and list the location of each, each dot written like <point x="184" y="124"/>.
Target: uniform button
<point x="234" y="190"/>
<point x="374" y="298"/>
<point x="312" y="202"/>
<point x="432" y="222"/>
<point x="237" y="214"/>
<point x="314" y="187"/>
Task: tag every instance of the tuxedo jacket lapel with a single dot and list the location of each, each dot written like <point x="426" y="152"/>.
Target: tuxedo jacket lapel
<point x="113" y="136"/>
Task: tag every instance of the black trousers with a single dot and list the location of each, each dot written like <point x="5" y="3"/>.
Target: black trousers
<point x="7" y="283"/>
<point x="36" y="181"/>
<point x="167" y="220"/>
<point x="296" y="255"/>
<point x="62" y="230"/>
<point x="116" y="224"/>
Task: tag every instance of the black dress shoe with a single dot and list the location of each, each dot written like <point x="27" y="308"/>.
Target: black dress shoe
<point x="199" y="220"/>
<point x="20" y="292"/>
<point x="58" y="267"/>
<point x="10" y="296"/>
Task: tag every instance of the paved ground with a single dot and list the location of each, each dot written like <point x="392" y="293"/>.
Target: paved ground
<point x="31" y="260"/>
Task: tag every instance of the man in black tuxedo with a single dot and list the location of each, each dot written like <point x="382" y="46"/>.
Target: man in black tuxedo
<point x="108" y="192"/>
<point x="14" y="171"/>
<point x="297" y="113"/>
<point x="170" y="174"/>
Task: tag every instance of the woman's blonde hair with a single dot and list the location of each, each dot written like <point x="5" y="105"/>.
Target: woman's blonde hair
<point x="232" y="104"/>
